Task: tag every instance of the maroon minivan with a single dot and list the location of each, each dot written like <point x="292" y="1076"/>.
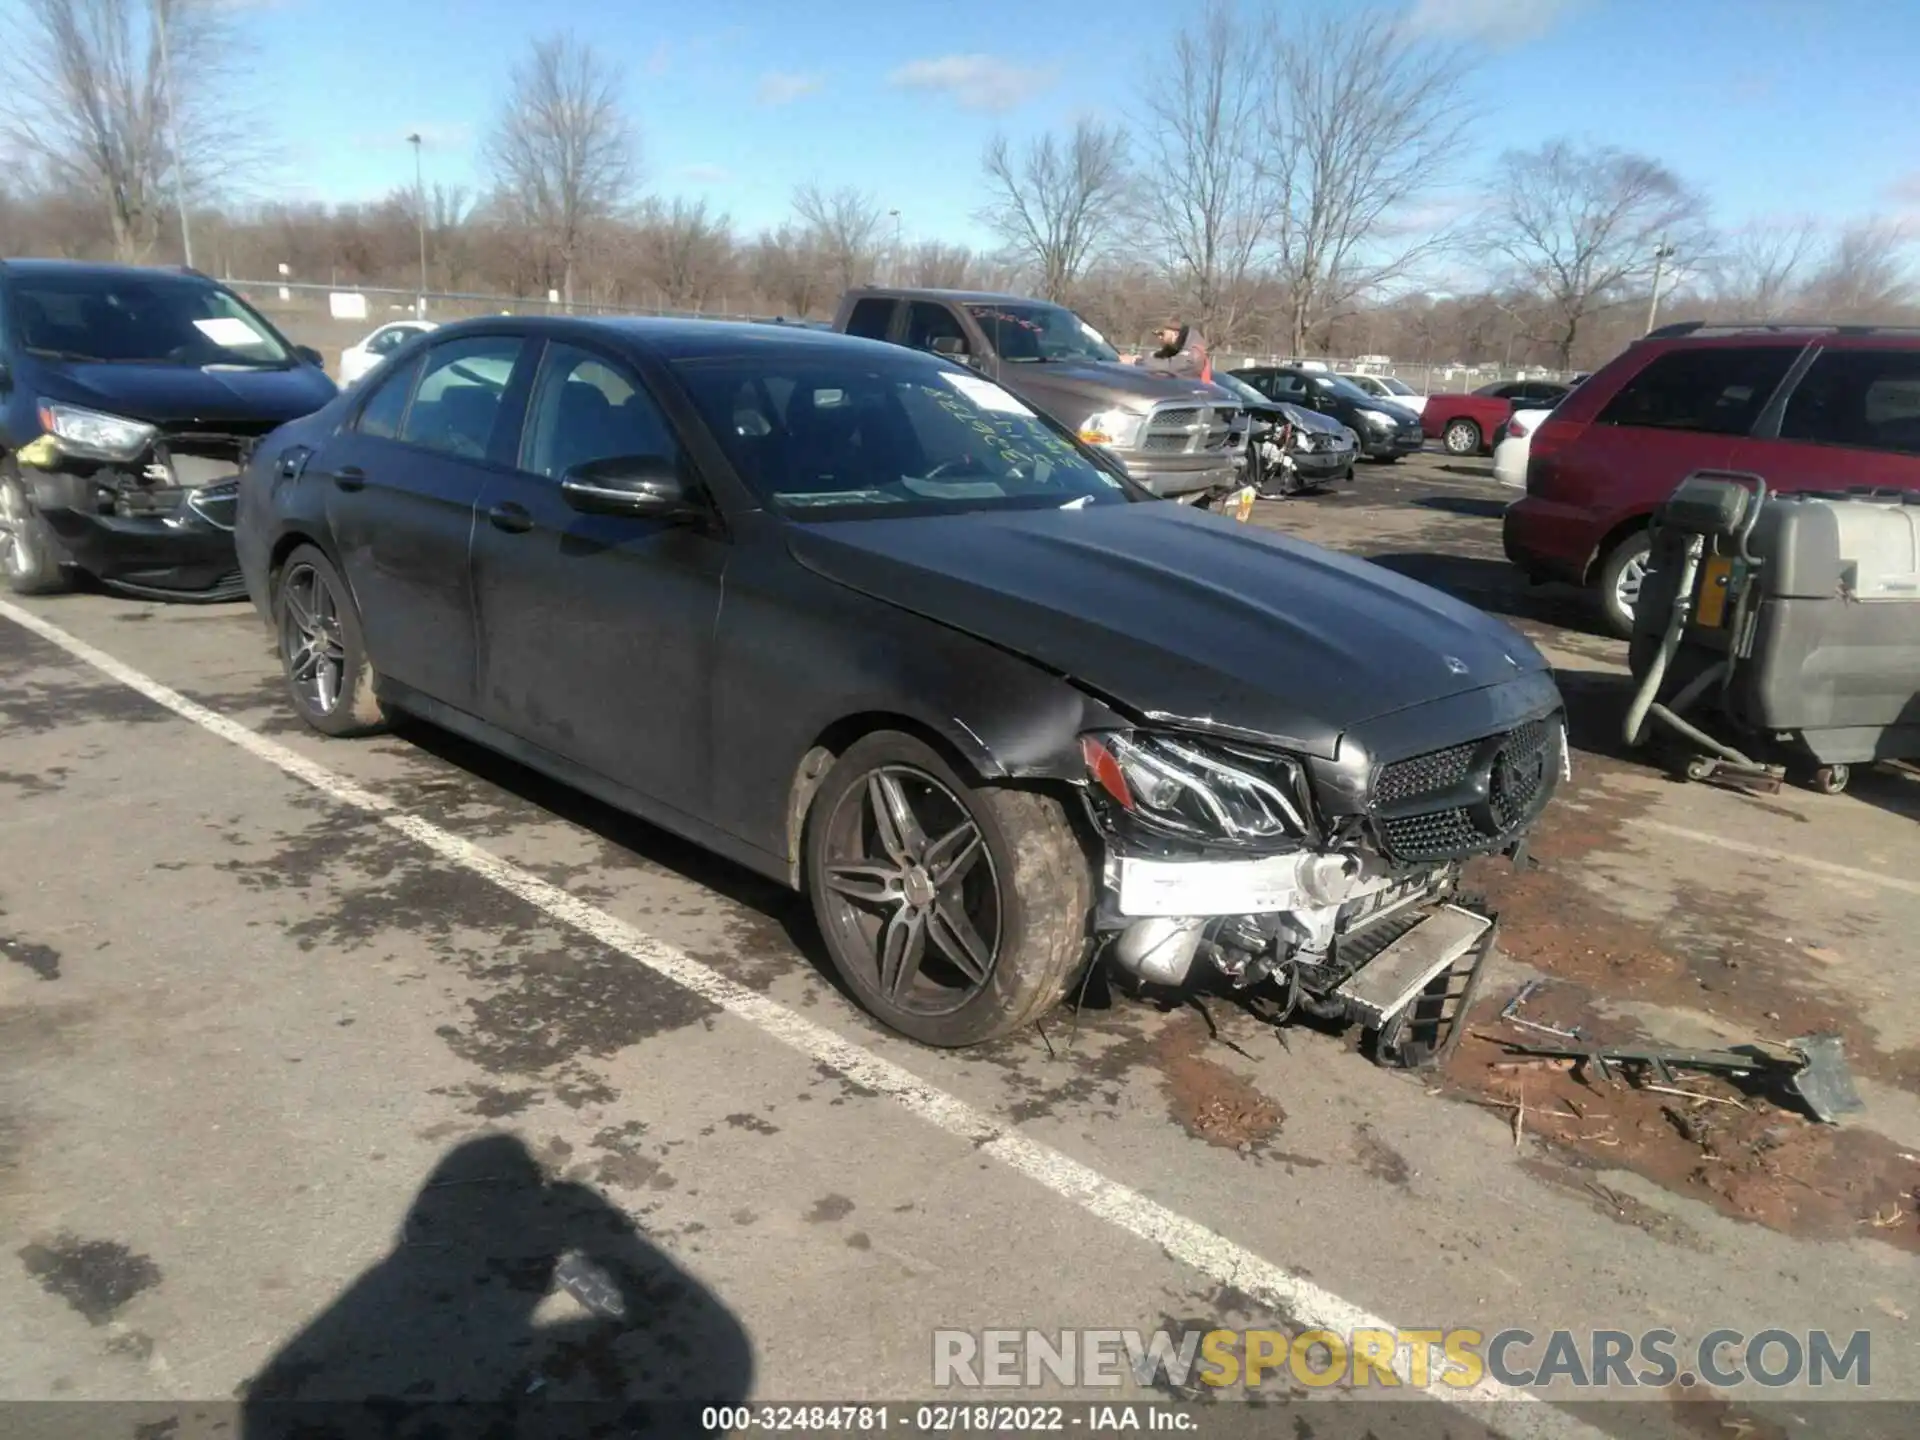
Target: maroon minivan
<point x="1806" y="407"/>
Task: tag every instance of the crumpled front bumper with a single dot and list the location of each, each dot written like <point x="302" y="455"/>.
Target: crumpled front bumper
<point x="181" y="548"/>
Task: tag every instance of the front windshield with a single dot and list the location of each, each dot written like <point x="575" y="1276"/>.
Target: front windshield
<point x="1395" y="386"/>
<point x="1240" y="388"/>
<point x="1333" y="385"/>
<point x="1029" y="331"/>
<point x="132" y="318"/>
<point x="823" y="434"/>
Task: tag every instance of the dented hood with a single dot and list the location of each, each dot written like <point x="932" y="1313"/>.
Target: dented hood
<point x="183" y="395"/>
<point x="1180" y="615"/>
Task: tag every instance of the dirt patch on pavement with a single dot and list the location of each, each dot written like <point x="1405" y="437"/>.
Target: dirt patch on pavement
<point x="1740" y="1152"/>
<point x="95" y="1277"/>
<point x="1209" y="1101"/>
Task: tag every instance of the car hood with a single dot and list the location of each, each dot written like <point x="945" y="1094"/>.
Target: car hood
<point x="1180" y="616"/>
<point x="174" y="395"/>
<point x="1307" y="419"/>
<point x="1128" y="385"/>
<point x="1393" y="410"/>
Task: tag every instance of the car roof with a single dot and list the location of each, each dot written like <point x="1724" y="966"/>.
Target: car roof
<point x="682" y="339"/>
<point x="1795" y="332"/>
<point x="33" y="265"/>
<point x="908" y="292"/>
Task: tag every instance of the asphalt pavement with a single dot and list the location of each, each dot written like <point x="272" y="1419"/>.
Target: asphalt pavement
<point x="292" y="1029"/>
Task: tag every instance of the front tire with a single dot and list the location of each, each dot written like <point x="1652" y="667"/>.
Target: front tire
<point x="1461" y="437"/>
<point x="1622" y="576"/>
<point x="29" y="552"/>
<point x="955" y="914"/>
<point x="323" y="656"/>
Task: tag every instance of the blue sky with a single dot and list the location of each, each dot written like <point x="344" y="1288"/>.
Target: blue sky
<point x="1769" y="105"/>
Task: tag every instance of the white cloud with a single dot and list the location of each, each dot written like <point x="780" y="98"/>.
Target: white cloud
<point x="1502" y="24"/>
<point x="974" y="82"/>
<point x="705" y="174"/>
<point x="783" y="87"/>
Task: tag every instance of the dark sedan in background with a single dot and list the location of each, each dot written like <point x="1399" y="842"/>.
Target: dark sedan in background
<point x="860" y="619"/>
<point x="1386" y="431"/>
<point x="130" y="398"/>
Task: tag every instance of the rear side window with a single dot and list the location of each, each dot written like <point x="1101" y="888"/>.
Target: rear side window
<point x="1869" y="399"/>
<point x="387" y="405"/>
<point x="927" y="323"/>
<point x="870" y="318"/>
<point x="460" y="394"/>
<point x="1718" y="391"/>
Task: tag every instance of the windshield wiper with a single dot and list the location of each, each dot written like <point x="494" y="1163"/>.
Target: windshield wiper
<point x="45" y="353"/>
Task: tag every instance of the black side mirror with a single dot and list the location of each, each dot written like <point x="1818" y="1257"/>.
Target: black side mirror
<point x="951" y="346"/>
<point x="641" y="486"/>
<point x="311" y="356"/>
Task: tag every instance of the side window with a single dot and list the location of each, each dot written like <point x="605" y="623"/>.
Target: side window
<point x="462" y="384"/>
<point x="383" y="342"/>
<point x="927" y="323"/>
<point x="1283" y="386"/>
<point x="387" y="405"/>
<point x="1864" y="398"/>
<point x="588" y="408"/>
<point x="1720" y="391"/>
<point x="870" y="318"/>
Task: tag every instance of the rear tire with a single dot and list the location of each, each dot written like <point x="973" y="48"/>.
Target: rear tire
<point x="1461" y="437"/>
<point x="323" y="656"/>
<point x="1025" y="892"/>
<point x="29" y="550"/>
<point x="1621" y="576"/>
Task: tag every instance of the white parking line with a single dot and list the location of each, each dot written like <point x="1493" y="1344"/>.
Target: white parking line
<point x="1220" y="1259"/>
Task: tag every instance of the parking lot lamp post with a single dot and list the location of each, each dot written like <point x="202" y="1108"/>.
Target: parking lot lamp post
<point x="173" y="131"/>
<point x="1662" y="253"/>
<point x="420" y="209"/>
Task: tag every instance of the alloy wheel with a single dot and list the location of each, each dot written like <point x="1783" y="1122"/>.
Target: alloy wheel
<point x="16" y="542"/>
<point x="311" y="638"/>
<point x="911" y="889"/>
<point x="1462" y="438"/>
<point x="1626" y="589"/>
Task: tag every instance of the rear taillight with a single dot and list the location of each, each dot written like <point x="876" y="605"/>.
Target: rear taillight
<point x="1517" y="430"/>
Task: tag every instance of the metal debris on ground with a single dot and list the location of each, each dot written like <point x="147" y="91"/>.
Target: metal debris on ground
<point x="1511" y="1012"/>
<point x="1812" y="1068"/>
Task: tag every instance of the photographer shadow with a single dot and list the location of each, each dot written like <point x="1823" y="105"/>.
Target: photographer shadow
<point x="441" y="1337"/>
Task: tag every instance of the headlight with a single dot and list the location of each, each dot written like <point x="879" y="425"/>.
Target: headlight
<point x="1112" y="427"/>
<point x="93" y="435"/>
<point x="1209" y="793"/>
<point x="1376" y="419"/>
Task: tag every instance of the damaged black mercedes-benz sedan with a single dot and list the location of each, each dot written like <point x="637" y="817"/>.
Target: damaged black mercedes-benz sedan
<point x="130" y="400"/>
<point x="860" y="619"/>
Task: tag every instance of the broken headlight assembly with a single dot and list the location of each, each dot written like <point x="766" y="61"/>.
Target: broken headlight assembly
<point x="1207" y="794"/>
<point x="93" y="434"/>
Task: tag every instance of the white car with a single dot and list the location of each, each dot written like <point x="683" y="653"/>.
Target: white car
<point x="357" y="360"/>
<point x="1516" y="440"/>
<point x="1390" y="387"/>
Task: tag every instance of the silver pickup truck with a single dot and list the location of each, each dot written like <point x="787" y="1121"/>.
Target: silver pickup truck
<point x="1182" y="439"/>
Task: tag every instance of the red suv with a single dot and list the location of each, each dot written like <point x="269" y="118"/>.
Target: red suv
<point x="1807" y="407"/>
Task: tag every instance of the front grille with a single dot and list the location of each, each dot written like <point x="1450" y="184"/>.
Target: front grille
<point x="1182" y="429"/>
<point x="1439" y="835"/>
<point x="1437" y="770"/>
<point x="1468" y="798"/>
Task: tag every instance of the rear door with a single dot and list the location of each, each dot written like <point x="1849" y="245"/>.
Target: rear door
<point x="403" y="479"/>
<point x="1853" y="420"/>
<point x="596" y="631"/>
<point x="1683" y="411"/>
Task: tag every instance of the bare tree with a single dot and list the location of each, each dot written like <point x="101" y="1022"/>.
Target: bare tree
<point x="562" y="153"/>
<point x="844" y="227"/>
<point x="1362" y="117"/>
<point x="85" y="96"/>
<point x="686" y="253"/>
<point x="1058" y="204"/>
<point x="789" y="269"/>
<point x="940" y="266"/>
<point x="1759" y="265"/>
<point x="1212" y="198"/>
<point x="1579" y="229"/>
<point x="1866" y="276"/>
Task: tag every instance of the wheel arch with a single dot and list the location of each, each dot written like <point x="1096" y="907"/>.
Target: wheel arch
<point x="1621" y="530"/>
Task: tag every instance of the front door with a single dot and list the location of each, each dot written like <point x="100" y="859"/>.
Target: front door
<point x="596" y="631"/>
<point x="402" y="480"/>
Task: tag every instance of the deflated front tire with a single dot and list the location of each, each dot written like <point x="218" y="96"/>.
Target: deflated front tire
<point x="955" y="914"/>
